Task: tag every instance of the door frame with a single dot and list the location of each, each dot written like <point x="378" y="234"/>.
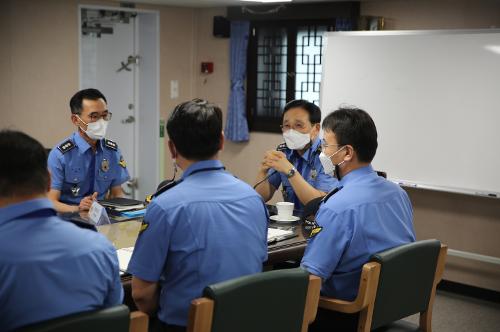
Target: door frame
<point x="151" y="120"/>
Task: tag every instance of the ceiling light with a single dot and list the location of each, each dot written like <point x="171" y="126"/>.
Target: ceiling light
<point x="267" y="1"/>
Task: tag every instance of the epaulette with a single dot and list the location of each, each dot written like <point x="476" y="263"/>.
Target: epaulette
<point x="110" y="144"/>
<point x="318" y="150"/>
<point x="330" y="194"/>
<point x="281" y="147"/>
<point x="161" y="189"/>
<point x="66" y="146"/>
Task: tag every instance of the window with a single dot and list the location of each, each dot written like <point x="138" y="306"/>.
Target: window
<point x="284" y="63"/>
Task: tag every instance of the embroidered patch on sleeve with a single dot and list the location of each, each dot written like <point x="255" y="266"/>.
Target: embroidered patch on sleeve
<point x="310" y="228"/>
<point x="144" y="226"/>
<point x="122" y="162"/>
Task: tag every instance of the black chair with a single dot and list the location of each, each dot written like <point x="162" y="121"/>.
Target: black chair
<point x="114" y="319"/>
<point x="275" y="301"/>
<point x="395" y="284"/>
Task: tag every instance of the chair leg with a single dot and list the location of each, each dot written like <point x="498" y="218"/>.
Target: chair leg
<point x="426" y="316"/>
<point x="365" y="319"/>
<point x="139" y="322"/>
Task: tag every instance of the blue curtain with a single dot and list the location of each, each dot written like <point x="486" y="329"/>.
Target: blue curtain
<point x="236" y="125"/>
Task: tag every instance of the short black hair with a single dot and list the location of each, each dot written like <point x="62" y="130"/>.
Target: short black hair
<point x="75" y="103"/>
<point x="23" y="168"/>
<point x="353" y="126"/>
<point x="311" y="108"/>
<point x="195" y="128"/>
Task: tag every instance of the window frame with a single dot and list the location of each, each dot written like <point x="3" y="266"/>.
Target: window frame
<point x="272" y="124"/>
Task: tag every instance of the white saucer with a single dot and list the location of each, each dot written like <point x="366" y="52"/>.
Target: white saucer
<point x="287" y="220"/>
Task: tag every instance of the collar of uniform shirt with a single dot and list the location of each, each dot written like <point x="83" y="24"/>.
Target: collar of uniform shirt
<point x="308" y="154"/>
<point x="201" y="165"/>
<point x="17" y="210"/>
<point x="355" y="174"/>
<point x="81" y="143"/>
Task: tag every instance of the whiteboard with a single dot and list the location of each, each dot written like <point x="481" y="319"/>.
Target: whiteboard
<point x="434" y="97"/>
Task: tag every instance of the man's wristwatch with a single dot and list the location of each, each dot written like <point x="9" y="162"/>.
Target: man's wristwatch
<point x="291" y="172"/>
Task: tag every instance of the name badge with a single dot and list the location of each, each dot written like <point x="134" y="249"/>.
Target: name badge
<point x="98" y="215"/>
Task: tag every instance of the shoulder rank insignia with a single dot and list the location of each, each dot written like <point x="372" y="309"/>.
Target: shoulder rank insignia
<point x="122" y="162"/>
<point x="110" y="144"/>
<point x="66" y="146"/>
<point x="281" y="147"/>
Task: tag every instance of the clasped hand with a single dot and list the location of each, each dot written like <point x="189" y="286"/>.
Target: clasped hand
<point x="277" y="160"/>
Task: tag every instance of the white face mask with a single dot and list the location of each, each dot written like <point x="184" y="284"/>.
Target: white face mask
<point x="327" y="163"/>
<point x="296" y="140"/>
<point x="95" y="130"/>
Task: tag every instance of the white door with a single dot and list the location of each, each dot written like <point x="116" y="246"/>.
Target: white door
<point x="109" y="65"/>
<point x="112" y="39"/>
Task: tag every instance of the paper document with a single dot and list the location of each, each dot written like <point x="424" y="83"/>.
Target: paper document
<point x="276" y="234"/>
<point x="124" y="256"/>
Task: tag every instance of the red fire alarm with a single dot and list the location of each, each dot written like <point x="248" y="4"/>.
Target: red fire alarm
<point x="207" y="67"/>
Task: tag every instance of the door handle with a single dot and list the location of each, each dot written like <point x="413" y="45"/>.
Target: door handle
<point x="130" y="119"/>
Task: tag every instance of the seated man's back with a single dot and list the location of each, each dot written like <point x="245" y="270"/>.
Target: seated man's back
<point x="368" y="215"/>
<point x="51" y="268"/>
<point x="209" y="228"/>
<point x="365" y="215"/>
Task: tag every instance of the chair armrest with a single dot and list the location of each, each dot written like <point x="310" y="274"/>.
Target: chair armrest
<point x="139" y="322"/>
<point x="312" y="301"/>
<point x="366" y="294"/>
<point x="200" y="315"/>
<point x="443" y="252"/>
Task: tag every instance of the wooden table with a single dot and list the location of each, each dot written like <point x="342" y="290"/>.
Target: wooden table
<point x="124" y="234"/>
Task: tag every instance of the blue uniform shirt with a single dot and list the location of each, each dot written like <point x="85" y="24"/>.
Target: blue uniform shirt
<point x="209" y="228"/>
<point x="368" y="215"/>
<point x="79" y="172"/>
<point x="309" y="166"/>
<point x="50" y="267"/>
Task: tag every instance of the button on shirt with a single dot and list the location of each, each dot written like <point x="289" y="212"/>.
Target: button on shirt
<point x="309" y="166"/>
<point x="80" y="172"/>
<point x="209" y="228"/>
<point x="368" y="215"/>
<point x="50" y="267"/>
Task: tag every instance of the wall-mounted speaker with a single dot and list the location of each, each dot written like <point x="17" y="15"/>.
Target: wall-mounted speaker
<point x="222" y="27"/>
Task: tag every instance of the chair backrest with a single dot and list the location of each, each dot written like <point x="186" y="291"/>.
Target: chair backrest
<point x="406" y="280"/>
<point x="114" y="319"/>
<point x="270" y="301"/>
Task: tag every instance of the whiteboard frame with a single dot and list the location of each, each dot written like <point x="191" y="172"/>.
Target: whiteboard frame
<point x="412" y="184"/>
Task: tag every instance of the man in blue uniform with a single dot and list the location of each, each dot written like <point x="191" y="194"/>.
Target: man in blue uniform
<point x="365" y="215"/>
<point x="297" y="169"/>
<point x="48" y="267"/>
<point x="205" y="228"/>
<point x="86" y="166"/>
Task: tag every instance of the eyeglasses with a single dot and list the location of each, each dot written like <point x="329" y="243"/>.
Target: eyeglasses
<point x="95" y="116"/>
<point x="324" y="145"/>
<point x="298" y="126"/>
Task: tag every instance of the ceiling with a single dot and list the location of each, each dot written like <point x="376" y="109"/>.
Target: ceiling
<point x="213" y="3"/>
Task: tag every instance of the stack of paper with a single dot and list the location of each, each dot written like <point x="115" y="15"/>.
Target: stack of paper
<point x="124" y="256"/>
<point x="276" y="234"/>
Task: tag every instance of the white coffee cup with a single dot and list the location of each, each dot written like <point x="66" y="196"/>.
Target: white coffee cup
<point x="285" y="210"/>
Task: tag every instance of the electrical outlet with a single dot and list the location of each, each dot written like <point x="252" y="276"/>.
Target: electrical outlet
<point x="174" y="89"/>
